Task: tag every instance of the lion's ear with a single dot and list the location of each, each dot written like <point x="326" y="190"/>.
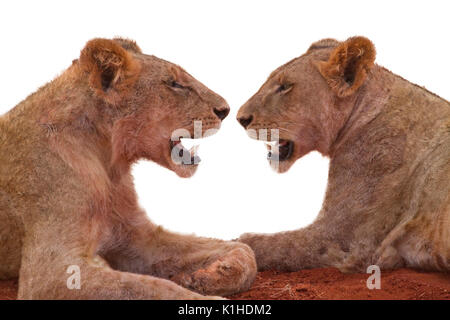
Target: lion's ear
<point x="348" y="65"/>
<point x="111" y="69"/>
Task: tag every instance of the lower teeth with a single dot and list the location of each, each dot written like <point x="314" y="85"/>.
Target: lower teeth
<point x="180" y="155"/>
<point x="273" y="156"/>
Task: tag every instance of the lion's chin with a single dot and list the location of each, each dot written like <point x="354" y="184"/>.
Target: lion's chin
<point x="281" y="166"/>
<point x="287" y="153"/>
<point x="182" y="161"/>
<point x="184" y="171"/>
<point x="280" y="155"/>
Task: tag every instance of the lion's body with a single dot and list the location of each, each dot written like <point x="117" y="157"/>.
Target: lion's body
<point x="388" y="195"/>
<point x="66" y="192"/>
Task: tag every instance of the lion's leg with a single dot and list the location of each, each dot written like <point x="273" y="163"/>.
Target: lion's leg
<point x="207" y="266"/>
<point x="51" y="270"/>
<point x="422" y="242"/>
<point x="222" y="269"/>
<point x="304" y="248"/>
<point x="389" y="258"/>
<point x="426" y="249"/>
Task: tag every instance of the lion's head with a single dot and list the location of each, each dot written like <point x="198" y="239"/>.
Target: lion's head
<point x="153" y="103"/>
<point x="308" y="99"/>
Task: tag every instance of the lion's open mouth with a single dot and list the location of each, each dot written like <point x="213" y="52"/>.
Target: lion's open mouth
<point x="280" y="150"/>
<point x="182" y="156"/>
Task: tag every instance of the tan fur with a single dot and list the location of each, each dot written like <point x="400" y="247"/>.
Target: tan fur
<point x="67" y="195"/>
<point x="388" y="194"/>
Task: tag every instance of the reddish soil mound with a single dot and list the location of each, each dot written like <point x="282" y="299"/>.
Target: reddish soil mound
<point x="328" y="284"/>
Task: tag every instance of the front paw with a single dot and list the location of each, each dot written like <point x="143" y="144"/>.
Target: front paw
<point x="229" y="274"/>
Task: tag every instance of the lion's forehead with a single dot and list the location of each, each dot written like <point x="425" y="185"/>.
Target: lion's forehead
<point x="290" y="71"/>
<point x="157" y="66"/>
<point x="295" y="67"/>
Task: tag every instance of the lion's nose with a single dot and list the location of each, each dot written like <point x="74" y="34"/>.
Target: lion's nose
<point x="222" y="113"/>
<point x="245" y="121"/>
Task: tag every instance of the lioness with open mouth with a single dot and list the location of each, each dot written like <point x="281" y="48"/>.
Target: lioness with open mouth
<point x="388" y="196"/>
<point x="67" y="201"/>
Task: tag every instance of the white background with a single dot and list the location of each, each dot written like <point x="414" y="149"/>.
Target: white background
<point x="231" y="46"/>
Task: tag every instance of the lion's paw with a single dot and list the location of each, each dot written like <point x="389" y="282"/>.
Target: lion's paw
<point x="232" y="273"/>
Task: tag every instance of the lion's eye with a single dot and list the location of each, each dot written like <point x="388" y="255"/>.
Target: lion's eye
<point x="175" y="84"/>
<point x="283" y="87"/>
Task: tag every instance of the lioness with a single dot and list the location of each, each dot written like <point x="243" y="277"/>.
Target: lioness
<point x="67" y="201"/>
<point x="388" y="196"/>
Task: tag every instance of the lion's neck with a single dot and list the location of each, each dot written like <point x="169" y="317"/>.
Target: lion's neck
<point x="79" y="128"/>
<point x="364" y="108"/>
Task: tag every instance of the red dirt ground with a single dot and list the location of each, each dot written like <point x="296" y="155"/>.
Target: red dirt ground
<point x="328" y="283"/>
<point x="331" y="284"/>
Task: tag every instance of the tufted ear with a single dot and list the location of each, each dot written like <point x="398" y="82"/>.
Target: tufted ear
<point x="111" y="69"/>
<point x="348" y="65"/>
